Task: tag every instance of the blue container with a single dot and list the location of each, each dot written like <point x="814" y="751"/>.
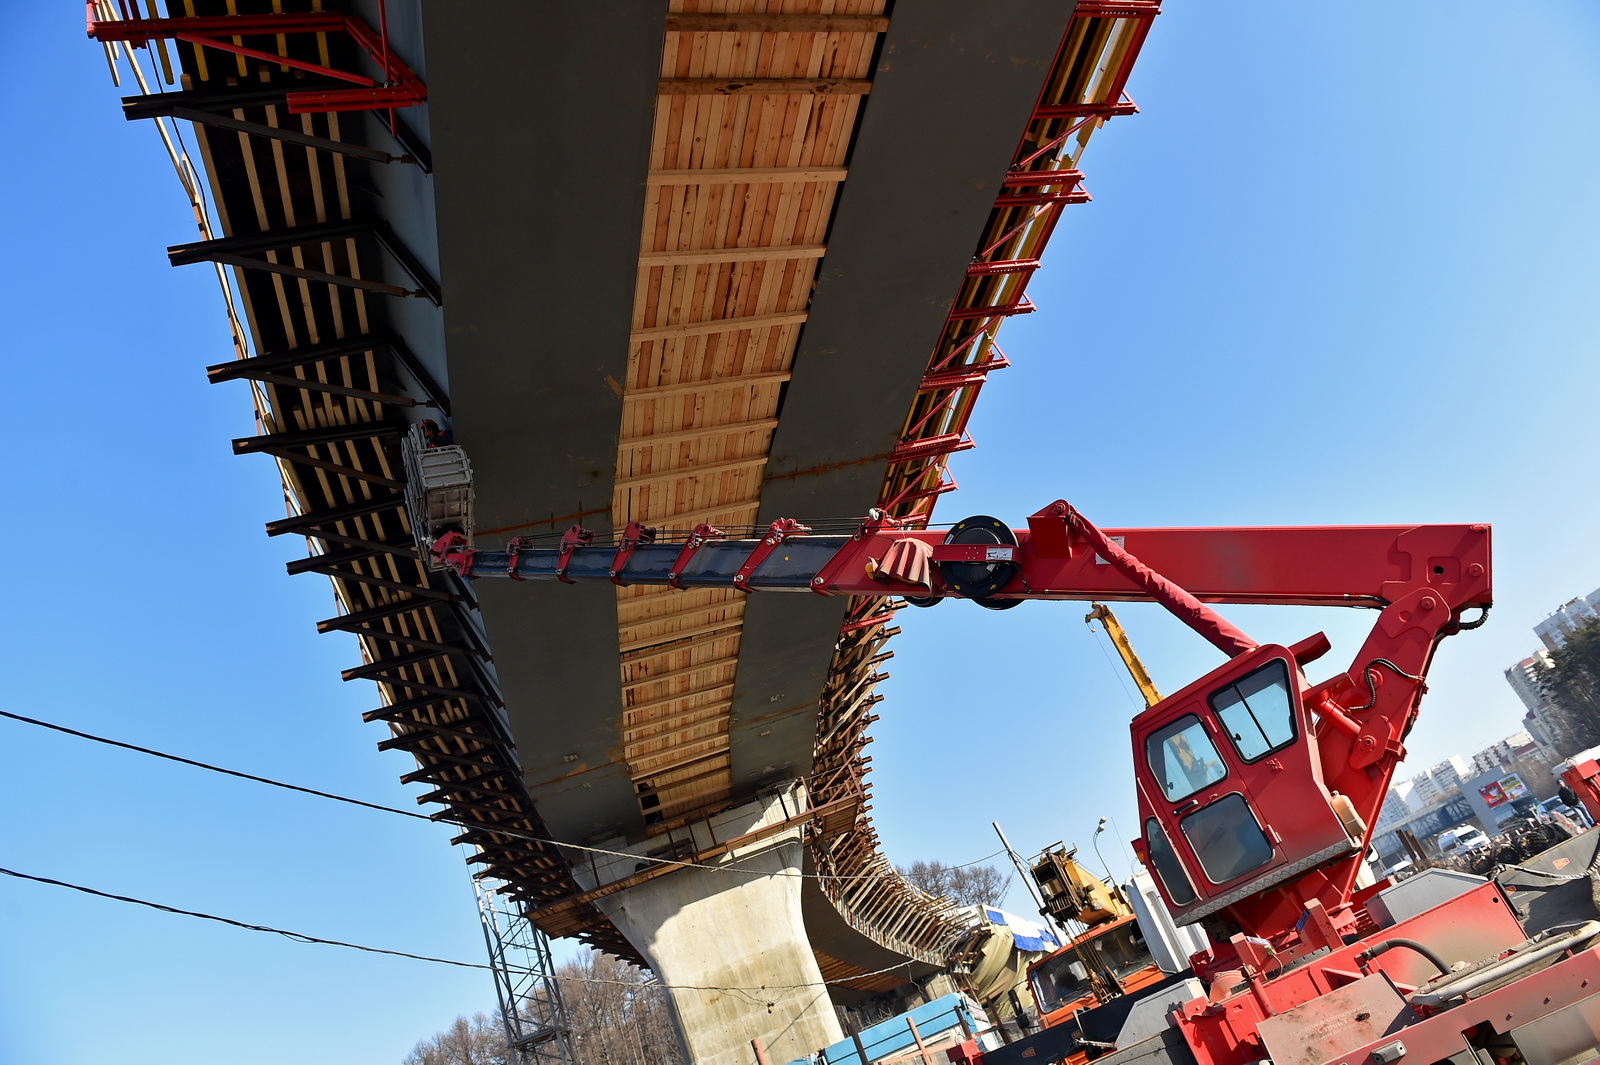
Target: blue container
<point x="893" y="1036"/>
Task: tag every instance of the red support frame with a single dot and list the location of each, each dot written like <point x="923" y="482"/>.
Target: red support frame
<point x="400" y="86"/>
<point x="962" y="376"/>
<point x="1046" y="191"/>
<point x="1035" y="199"/>
<point x="1023" y="305"/>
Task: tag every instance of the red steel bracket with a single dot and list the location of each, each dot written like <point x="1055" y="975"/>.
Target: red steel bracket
<point x="514" y="548"/>
<point x="574" y="537"/>
<point x="777" y="532"/>
<point x="866" y="623"/>
<point x="452" y="550"/>
<point x="702" y="532"/>
<point x="876" y="521"/>
<point x="400" y="88"/>
<point x="972" y="373"/>
<point x="635" y="534"/>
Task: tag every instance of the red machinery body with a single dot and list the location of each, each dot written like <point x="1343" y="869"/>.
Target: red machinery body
<point x="1582" y="778"/>
<point x="1281" y="779"/>
<point x="1257" y="787"/>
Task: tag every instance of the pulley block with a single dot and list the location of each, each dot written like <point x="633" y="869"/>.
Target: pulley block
<point x="980" y="580"/>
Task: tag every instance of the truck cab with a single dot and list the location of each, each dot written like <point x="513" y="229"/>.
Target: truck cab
<point x="1463" y="840"/>
<point x="1109" y="960"/>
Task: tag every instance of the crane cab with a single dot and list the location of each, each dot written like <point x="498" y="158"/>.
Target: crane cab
<point x="1109" y="960"/>
<point x="1231" y="795"/>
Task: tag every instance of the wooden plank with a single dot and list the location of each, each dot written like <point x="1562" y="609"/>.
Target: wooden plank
<point x="629" y="646"/>
<point x="763" y="86"/>
<point x="748" y="175"/>
<point x="650" y="746"/>
<point x="709" y="469"/>
<point x="691" y="783"/>
<point x="690" y="256"/>
<point x="689" y="518"/>
<point x="632" y="712"/>
<point x="675" y="674"/>
<point x="685" y="388"/>
<point x="723" y="603"/>
<point x="699" y="751"/>
<point x="667" y="728"/>
<point x="699" y="433"/>
<point x="773" y="22"/>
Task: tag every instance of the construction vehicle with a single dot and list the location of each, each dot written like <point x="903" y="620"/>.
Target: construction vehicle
<point x="990" y="963"/>
<point x="1108" y="959"/>
<point x="1257" y="787"/>
<point x="1579" y="778"/>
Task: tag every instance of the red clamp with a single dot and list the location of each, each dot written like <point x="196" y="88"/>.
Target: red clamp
<point x="453" y="552"/>
<point x="635" y="534"/>
<point x="777" y="533"/>
<point x="875" y="522"/>
<point x="701" y="534"/>
<point x="574" y="537"/>
<point x="514" y="548"/>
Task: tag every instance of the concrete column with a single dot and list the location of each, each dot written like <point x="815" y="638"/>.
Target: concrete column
<point x="720" y="930"/>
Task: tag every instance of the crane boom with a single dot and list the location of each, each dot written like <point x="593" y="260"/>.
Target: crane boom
<point x="1119" y="639"/>
<point x="1257" y="788"/>
<point x="981" y="559"/>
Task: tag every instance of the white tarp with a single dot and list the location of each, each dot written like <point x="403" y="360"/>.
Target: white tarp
<point x="1029" y="935"/>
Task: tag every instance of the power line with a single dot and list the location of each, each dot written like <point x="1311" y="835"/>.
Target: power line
<point x="495" y="829"/>
<point x="301" y="937"/>
<point x="298" y="937"/>
<point x="213" y="768"/>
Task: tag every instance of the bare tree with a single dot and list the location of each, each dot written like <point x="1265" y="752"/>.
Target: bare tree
<point x="480" y="1040"/>
<point x="616" y="1013"/>
<point x="967" y="885"/>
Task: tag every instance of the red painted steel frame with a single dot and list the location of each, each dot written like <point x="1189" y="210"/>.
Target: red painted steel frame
<point x="1584" y="780"/>
<point x="400" y="88"/>
<point x="914" y="462"/>
<point x="1473" y="926"/>
<point x="1354" y="565"/>
<point x="1351" y="728"/>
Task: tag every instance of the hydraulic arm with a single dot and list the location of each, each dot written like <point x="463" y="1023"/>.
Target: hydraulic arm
<point x="1257" y="788"/>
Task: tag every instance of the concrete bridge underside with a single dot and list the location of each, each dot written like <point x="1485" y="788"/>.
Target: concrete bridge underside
<point x="669" y="263"/>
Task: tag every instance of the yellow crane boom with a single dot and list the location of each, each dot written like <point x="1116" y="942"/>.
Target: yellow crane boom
<point x="1119" y="640"/>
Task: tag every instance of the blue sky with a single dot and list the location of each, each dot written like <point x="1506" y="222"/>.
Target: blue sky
<point x="1339" y="270"/>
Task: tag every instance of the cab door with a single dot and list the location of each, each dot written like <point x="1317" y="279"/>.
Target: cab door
<point x="1230" y="789"/>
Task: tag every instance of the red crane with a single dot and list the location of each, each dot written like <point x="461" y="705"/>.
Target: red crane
<point x="1258" y="788"/>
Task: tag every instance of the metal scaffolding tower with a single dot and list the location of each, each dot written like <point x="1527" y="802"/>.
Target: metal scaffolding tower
<point x="531" y="1008"/>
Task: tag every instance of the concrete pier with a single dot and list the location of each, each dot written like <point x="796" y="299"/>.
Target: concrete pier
<point x="728" y="940"/>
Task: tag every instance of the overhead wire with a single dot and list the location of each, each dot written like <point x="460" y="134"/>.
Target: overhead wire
<point x="302" y="937"/>
<point x="492" y="829"/>
<point x="1122" y="680"/>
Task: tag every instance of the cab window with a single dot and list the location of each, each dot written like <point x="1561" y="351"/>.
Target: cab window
<point x="1165" y="863"/>
<point x="1256" y="711"/>
<point x="1122" y="950"/>
<point x="1058" y="981"/>
<point x="1227" y="839"/>
<point x="1182" y="758"/>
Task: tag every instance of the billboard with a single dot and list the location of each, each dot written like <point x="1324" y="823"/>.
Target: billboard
<point x="1508" y="788"/>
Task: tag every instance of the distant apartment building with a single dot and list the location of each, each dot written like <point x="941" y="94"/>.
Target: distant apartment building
<point x="1519" y="754"/>
<point x="1500" y="754"/>
<point x="1397" y="805"/>
<point x="1553" y="630"/>
<point x="1441" y="781"/>
<point x="1541" y="717"/>
<point x="1524" y="680"/>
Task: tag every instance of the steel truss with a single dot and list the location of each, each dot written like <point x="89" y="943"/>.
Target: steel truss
<point x="531" y="1007"/>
